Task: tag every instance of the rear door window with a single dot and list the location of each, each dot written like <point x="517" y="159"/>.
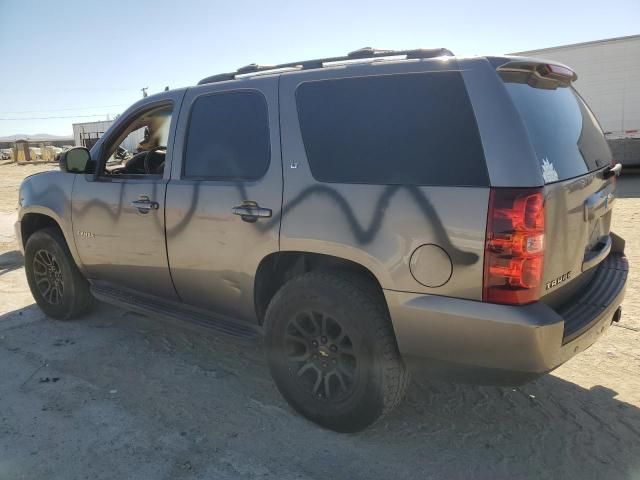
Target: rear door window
<point x="228" y="137"/>
<point x="565" y="135"/>
<point x="415" y="129"/>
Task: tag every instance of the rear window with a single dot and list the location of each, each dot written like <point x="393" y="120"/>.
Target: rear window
<point x="416" y="129"/>
<point x="565" y="135"/>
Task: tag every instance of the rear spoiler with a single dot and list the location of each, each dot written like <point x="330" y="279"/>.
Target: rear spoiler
<point x="537" y="73"/>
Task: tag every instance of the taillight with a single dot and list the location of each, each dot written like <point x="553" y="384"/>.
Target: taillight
<point x="514" y="248"/>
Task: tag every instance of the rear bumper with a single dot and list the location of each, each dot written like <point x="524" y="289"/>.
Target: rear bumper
<point x="501" y="343"/>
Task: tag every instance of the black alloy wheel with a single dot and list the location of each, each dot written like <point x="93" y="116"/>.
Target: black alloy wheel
<point x="332" y="351"/>
<point x="57" y="285"/>
<point x="48" y="276"/>
<point x="321" y="355"/>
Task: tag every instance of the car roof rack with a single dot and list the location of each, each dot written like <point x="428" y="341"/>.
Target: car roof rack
<point x="366" y="53"/>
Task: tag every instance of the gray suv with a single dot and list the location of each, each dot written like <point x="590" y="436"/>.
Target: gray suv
<point x="367" y="214"/>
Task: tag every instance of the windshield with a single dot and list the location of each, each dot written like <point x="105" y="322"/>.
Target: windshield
<point x="565" y="135"/>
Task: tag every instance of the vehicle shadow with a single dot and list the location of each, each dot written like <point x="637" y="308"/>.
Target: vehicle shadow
<point x="220" y="389"/>
<point x="10" y="261"/>
<point x="550" y="428"/>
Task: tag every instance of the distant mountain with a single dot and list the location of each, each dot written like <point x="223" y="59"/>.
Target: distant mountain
<point x="43" y="137"/>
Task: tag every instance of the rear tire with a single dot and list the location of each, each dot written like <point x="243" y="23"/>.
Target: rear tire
<point x="57" y="285"/>
<point x="332" y="351"/>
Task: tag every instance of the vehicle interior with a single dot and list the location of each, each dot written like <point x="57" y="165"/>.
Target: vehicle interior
<point x="141" y="148"/>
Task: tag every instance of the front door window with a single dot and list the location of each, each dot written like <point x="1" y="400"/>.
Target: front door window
<point x="142" y="147"/>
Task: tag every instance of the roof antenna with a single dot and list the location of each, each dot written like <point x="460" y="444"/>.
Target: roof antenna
<point x="144" y="92"/>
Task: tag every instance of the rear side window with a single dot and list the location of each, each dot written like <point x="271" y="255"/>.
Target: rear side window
<point x="228" y="137"/>
<point x="416" y="129"/>
<point x="565" y="135"/>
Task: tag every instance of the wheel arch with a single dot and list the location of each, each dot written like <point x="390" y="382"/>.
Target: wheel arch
<point x="32" y="222"/>
<point x="34" y="219"/>
<point x="279" y="267"/>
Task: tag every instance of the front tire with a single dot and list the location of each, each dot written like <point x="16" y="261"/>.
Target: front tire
<point x="332" y="351"/>
<point x="56" y="284"/>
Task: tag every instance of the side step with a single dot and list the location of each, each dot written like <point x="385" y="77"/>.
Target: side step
<point x="175" y="312"/>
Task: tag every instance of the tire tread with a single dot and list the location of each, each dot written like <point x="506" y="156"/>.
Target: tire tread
<point x="370" y="301"/>
<point x="82" y="301"/>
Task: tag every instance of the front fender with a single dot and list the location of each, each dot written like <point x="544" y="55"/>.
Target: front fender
<point x="49" y="194"/>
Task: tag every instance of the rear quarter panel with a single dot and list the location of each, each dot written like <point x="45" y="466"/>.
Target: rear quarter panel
<point x="379" y="226"/>
<point x="511" y="160"/>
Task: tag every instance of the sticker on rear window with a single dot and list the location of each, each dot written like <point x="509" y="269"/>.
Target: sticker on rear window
<point x="548" y="171"/>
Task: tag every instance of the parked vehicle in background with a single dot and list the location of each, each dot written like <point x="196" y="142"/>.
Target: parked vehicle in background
<point x="365" y="213"/>
<point x="610" y="85"/>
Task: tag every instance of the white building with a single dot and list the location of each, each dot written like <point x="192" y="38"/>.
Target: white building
<point x="87" y="134"/>
<point x="609" y="80"/>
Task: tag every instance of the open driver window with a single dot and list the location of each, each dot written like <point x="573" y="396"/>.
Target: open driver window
<point x="141" y="148"/>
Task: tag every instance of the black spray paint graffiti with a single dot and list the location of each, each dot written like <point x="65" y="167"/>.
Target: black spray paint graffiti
<point x="364" y="234"/>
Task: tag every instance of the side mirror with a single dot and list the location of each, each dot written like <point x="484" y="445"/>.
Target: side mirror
<point x="75" y="160"/>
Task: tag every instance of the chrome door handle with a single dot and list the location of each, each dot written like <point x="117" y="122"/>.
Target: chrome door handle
<point x="250" y="211"/>
<point x="144" y="204"/>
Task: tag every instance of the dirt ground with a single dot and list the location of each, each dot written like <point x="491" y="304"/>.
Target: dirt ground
<point x="121" y="396"/>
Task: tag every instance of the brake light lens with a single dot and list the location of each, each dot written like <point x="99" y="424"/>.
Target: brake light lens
<point x="514" y="248"/>
<point x="561" y="70"/>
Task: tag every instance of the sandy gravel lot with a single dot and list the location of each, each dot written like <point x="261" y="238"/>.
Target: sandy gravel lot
<point x="121" y="396"/>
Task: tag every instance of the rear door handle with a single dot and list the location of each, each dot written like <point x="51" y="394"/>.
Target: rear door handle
<point x="144" y="204"/>
<point x="250" y="211"/>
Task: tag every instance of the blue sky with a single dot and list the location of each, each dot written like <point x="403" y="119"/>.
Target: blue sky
<point x="80" y="58"/>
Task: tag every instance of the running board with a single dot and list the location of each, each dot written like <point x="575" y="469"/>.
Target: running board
<point x="175" y="312"/>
